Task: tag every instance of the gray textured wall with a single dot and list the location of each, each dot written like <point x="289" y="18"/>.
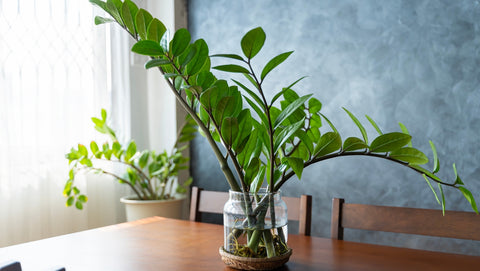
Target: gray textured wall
<point x="415" y="62"/>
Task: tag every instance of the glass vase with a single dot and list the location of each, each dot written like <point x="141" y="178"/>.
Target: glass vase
<point x="255" y="224"/>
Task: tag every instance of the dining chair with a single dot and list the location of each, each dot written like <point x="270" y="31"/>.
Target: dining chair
<point x="10" y="266"/>
<point x="204" y="201"/>
<point x="454" y="224"/>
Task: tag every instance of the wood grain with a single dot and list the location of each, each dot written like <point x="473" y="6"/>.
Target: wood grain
<point x="167" y="244"/>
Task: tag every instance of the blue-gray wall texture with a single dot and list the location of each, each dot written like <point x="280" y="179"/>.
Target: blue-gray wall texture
<point x="415" y="62"/>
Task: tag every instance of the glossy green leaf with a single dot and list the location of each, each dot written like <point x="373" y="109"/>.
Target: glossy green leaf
<point x="258" y="180"/>
<point x="405" y="131"/>
<point x="155" y="30"/>
<point x="114" y="10"/>
<point x="103" y="113"/>
<point x="359" y="125"/>
<point x="409" y="155"/>
<point x="156" y="63"/>
<point x="290" y="109"/>
<point x="181" y="40"/>
<point x="100" y="4"/>
<point x="142" y="20"/>
<point x="426" y="172"/>
<point x="252" y="170"/>
<point x="457" y="178"/>
<point x="285" y="135"/>
<point x="231" y="68"/>
<point x="129" y="11"/>
<point x="353" y="144"/>
<point x="259" y="112"/>
<point x="82" y="198"/>
<point x="315" y="121"/>
<point x="82" y="150"/>
<point x="148" y="48"/>
<point x="297" y="165"/>
<point x="431" y="187"/>
<point x="251" y="149"/>
<point x="253" y="42"/>
<point x="389" y="142"/>
<point x="314" y="106"/>
<point x="94" y="147"/>
<point x="199" y="59"/>
<point x="231" y="56"/>
<point x="468" y="195"/>
<point x="245" y="125"/>
<point x="328" y="143"/>
<point x="436" y="161"/>
<point x="101" y="20"/>
<point x="273" y="63"/>
<point x="229" y="130"/>
<point x="306" y="140"/>
<point x="252" y="94"/>
<point x="79" y="205"/>
<point x="374" y="124"/>
<point x="443" y="197"/>
<point x="329" y="123"/>
<point x="279" y="94"/>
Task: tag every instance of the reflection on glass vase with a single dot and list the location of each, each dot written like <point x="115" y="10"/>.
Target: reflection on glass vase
<point x="252" y="227"/>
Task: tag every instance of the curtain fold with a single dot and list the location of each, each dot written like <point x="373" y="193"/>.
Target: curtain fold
<point x="57" y="70"/>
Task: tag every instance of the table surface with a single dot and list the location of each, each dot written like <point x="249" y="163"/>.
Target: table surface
<point x="167" y="244"/>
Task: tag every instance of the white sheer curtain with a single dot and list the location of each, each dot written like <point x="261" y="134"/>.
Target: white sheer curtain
<point x="55" y="73"/>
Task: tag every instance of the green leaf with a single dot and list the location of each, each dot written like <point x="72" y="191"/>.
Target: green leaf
<point x="70" y="201"/>
<point x="113" y="8"/>
<point x="285" y="89"/>
<point x="259" y="112"/>
<point x="142" y="21"/>
<point x="232" y="56"/>
<point x="229" y="130"/>
<point x="353" y="144"/>
<point x="148" y="48"/>
<point x="290" y="109"/>
<point x="156" y="63"/>
<point x="405" y="131"/>
<point x="314" y="106"/>
<point x="359" y="125"/>
<point x="76" y="191"/>
<point x="431" y="187"/>
<point x="251" y="149"/>
<point x="328" y="143"/>
<point x="143" y="160"/>
<point x="426" y="172"/>
<point x="468" y="195"/>
<point x="285" y="134"/>
<point x="297" y="165"/>
<point x="201" y="56"/>
<point x="231" y="68"/>
<point x="457" y="178"/>
<point x="253" y="42"/>
<point x="245" y="125"/>
<point x="274" y="62"/>
<point x="436" y="161"/>
<point x="83" y="198"/>
<point x="131" y="151"/>
<point x="252" y="170"/>
<point x="101" y="20"/>
<point x="155" y="30"/>
<point x="129" y="11"/>
<point x="389" y="142"/>
<point x="100" y="4"/>
<point x="181" y="40"/>
<point x="374" y="124"/>
<point x="258" y="180"/>
<point x="251" y="93"/>
<point x="82" y="150"/>
<point x="329" y="123"/>
<point x="103" y="113"/>
<point x="443" y="197"/>
<point x="409" y="155"/>
<point x="94" y="147"/>
<point x="79" y="205"/>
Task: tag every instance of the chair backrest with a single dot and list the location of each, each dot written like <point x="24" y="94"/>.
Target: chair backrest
<point x="455" y="224"/>
<point x="202" y="201"/>
<point x="10" y="266"/>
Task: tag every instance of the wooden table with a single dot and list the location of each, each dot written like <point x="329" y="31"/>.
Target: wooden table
<point x="166" y="244"/>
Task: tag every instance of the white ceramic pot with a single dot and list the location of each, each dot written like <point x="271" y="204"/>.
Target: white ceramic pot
<point x="138" y="209"/>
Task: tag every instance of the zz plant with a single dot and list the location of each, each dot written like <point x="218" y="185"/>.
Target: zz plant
<point x="255" y="139"/>
<point x="150" y="175"/>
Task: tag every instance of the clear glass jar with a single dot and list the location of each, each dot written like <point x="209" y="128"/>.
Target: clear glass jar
<point x="251" y="228"/>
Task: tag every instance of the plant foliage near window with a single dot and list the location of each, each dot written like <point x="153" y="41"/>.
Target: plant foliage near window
<point x="255" y="139"/>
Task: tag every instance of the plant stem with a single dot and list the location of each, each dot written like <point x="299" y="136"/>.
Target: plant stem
<point x="341" y="154"/>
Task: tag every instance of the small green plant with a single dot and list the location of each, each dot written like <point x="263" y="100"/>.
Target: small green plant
<point x="150" y="175"/>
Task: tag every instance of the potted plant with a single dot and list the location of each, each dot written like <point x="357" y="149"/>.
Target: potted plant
<point x="256" y="139"/>
<point x="151" y="176"/>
